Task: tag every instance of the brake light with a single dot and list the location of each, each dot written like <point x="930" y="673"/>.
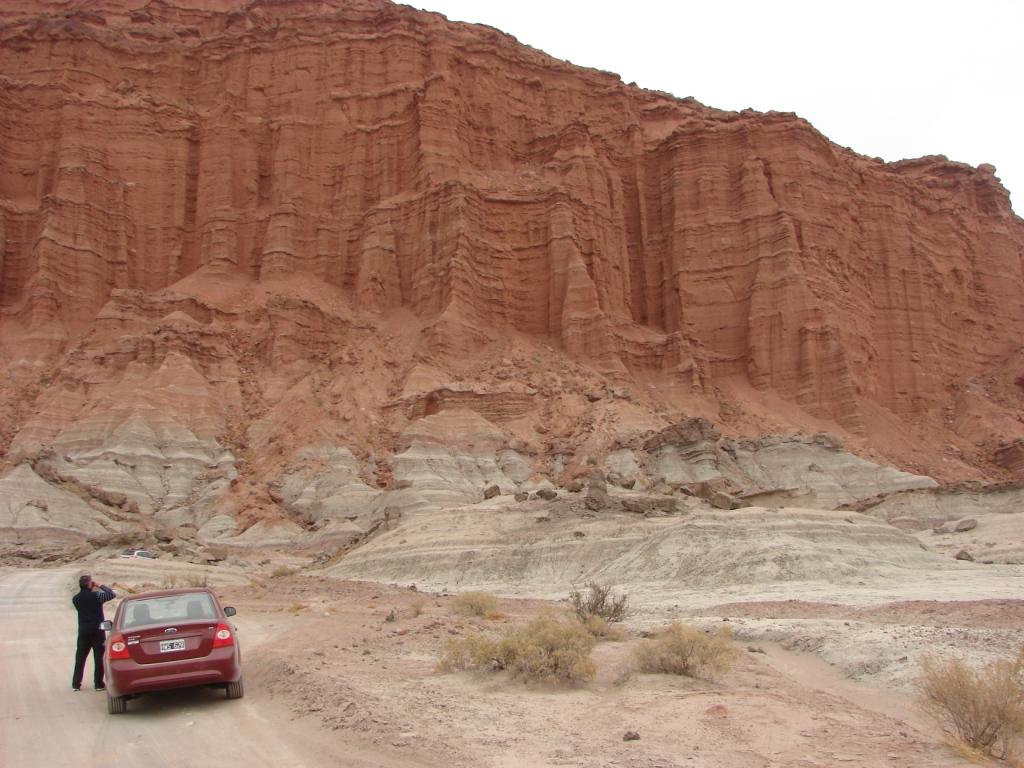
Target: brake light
<point x="118" y="650"/>
<point x="223" y="636"/>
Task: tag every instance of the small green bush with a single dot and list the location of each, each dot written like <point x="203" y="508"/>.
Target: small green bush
<point x="545" y="651"/>
<point x="984" y="707"/>
<point x="476" y="604"/>
<point x="598" y="601"/>
<point x="684" y="650"/>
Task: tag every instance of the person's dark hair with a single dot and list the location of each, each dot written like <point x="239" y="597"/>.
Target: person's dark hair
<point x="84" y="581"/>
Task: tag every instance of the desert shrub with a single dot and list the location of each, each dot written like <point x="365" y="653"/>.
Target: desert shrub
<point x="603" y="629"/>
<point x="417" y="605"/>
<point x="196" y="580"/>
<point x="476" y="652"/>
<point x="476" y="604"/>
<point x="983" y="707"/>
<point x="598" y="601"/>
<point x="684" y="650"/>
<point x="544" y="651"/>
<point x="174" y="581"/>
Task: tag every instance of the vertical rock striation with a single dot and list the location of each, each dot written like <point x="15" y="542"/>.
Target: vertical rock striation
<point x="221" y="199"/>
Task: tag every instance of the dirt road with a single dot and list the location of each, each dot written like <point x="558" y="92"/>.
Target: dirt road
<point x="343" y="674"/>
<point x="43" y="723"/>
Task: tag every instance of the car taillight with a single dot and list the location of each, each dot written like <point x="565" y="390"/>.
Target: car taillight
<point x="223" y="636"/>
<point x="118" y="650"/>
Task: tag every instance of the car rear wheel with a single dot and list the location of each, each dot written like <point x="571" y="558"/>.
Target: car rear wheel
<point x="235" y="690"/>
<point x="117" y="705"/>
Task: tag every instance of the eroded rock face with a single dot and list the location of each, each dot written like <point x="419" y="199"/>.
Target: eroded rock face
<point x="440" y="260"/>
<point x="813" y="472"/>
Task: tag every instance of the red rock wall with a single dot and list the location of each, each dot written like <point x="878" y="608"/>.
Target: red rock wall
<point x="445" y="169"/>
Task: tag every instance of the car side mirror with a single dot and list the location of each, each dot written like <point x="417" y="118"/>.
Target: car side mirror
<point x="106" y="625"/>
<point x="229" y="611"/>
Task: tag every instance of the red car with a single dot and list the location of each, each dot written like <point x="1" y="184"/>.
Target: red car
<point x="176" y="638"/>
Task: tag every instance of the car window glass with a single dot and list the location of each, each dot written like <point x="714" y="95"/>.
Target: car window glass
<point x="161" y="610"/>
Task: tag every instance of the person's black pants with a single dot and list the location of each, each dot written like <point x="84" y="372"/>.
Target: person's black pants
<point x="89" y="640"/>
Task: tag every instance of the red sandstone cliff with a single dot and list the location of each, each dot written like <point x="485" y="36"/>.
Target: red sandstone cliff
<point x="261" y="225"/>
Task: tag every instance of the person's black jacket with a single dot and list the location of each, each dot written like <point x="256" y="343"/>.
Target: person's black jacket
<point x="89" y="605"/>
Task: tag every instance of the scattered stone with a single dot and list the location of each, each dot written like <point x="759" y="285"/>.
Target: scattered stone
<point x="574" y="486"/>
<point x="717" y="710"/>
<point x="963" y="554"/>
<point x="637" y="506"/>
<point x="578" y="534"/>
<point x="597" y="491"/>
<point x="1010" y="455"/>
<point x="521" y="496"/>
<point x="968" y="524"/>
<point x="723" y="500"/>
<point x="165" y="535"/>
<point x="491" y="491"/>
<point x="217" y="553"/>
<point x="548" y="494"/>
<point x="631" y="736"/>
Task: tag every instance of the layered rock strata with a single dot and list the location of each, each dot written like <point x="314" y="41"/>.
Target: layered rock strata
<point x="265" y="261"/>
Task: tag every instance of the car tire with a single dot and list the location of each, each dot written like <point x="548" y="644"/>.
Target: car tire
<point x="117" y="705"/>
<point x="235" y="690"/>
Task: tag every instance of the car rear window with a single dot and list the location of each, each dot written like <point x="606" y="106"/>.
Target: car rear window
<point x="160" y="610"/>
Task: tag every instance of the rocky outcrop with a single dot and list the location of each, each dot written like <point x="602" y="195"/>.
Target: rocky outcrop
<point x="232" y="232"/>
<point x="813" y="472"/>
<point x="691" y="557"/>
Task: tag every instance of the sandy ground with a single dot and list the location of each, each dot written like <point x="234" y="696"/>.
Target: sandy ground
<point x="329" y="681"/>
<point x="43" y="723"/>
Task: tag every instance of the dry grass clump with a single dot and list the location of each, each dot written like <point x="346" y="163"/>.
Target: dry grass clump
<point x="482" y="604"/>
<point x="604" y="630"/>
<point x="173" y="581"/>
<point x="417" y="605"/>
<point x="983" y="707"/>
<point x="598" y="601"/>
<point x="684" y="650"/>
<point x="283" y="571"/>
<point x="545" y="651"/>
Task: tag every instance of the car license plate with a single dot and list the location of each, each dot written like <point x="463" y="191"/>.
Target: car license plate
<point x="172" y="645"/>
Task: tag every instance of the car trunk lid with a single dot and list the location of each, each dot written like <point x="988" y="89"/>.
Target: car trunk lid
<point x="183" y="640"/>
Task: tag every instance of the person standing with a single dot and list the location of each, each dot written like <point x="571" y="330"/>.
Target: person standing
<point x="89" y="604"/>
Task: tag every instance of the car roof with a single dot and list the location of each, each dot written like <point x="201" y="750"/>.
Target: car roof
<point x="169" y="593"/>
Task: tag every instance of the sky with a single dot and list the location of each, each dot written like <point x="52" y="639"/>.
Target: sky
<point x="896" y="79"/>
